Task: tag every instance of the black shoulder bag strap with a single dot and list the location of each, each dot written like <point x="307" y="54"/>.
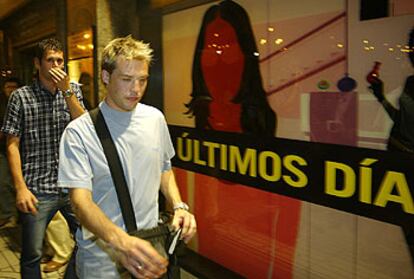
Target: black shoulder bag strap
<point x="115" y="167"/>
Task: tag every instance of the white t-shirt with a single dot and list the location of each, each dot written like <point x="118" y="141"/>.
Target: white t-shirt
<point x="144" y="146"/>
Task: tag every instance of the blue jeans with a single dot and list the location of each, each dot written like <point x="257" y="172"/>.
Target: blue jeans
<point x="33" y="233"/>
<point x="7" y="194"/>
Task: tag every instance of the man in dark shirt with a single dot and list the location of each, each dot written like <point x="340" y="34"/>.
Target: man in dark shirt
<point x="35" y="118"/>
<point x="401" y="136"/>
<point x="7" y="195"/>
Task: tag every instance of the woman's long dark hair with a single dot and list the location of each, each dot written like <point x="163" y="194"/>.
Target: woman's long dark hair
<point x="257" y="117"/>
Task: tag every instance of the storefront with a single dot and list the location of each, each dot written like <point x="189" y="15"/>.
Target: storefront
<point x="280" y="143"/>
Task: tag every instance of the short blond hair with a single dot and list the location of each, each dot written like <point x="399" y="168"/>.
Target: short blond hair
<point x="128" y="48"/>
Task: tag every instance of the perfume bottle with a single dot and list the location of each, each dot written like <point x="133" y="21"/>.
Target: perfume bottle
<point x="373" y="75"/>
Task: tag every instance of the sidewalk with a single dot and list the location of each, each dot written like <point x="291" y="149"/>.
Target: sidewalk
<point x="10" y="254"/>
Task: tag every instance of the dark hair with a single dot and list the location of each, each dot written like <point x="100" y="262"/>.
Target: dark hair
<point x="13" y="79"/>
<point x="45" y="45"/>
<point x="257" y="117"/>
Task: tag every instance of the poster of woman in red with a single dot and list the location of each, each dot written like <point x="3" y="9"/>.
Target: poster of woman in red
<point x="237" y="223"/>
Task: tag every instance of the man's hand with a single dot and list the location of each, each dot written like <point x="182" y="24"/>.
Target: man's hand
<point x="60" y="78"/>
<point x="141" y="259"/>
<point x="185" y="220"/>
<point x="135" y="254"/>
<point x="26" y="202"/>
<point x="377" y="88"/>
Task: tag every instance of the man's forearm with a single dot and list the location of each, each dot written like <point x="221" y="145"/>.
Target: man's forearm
<point x="169" y="188"/>
<point x="15" y="163"/>
<point x="94" y="219"/>
<point x="74" y="106"/>
<point x="390" y="109"/>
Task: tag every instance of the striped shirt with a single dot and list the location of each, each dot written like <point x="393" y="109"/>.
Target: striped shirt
<point x="38" y="118"/>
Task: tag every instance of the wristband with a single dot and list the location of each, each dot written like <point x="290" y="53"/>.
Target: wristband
<point x="181" y="205"/>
